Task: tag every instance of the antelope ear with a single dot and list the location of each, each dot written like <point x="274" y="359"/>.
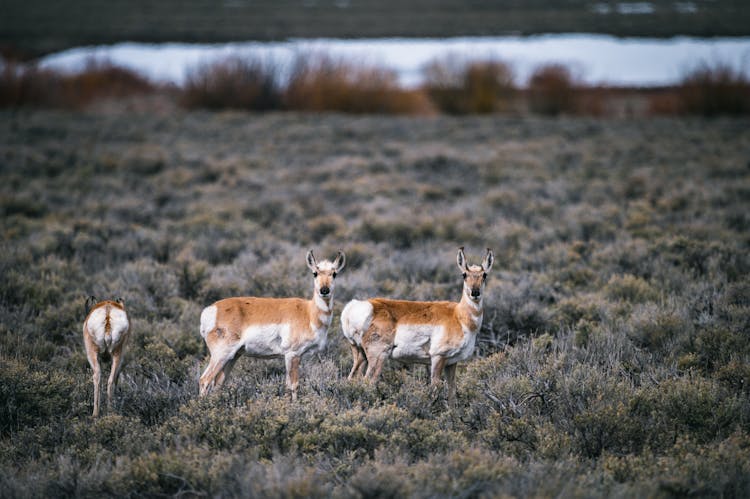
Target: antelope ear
<point x="311" y="261"/>
<point x="340" y="261"/>
<point x="90" y="300"/>
<point x="461" y="259"/>
<point x="489" y="259"/>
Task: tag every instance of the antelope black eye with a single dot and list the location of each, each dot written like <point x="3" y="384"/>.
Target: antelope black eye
<point x="484" y="276"/>
<point x="464" y="274"/>
<point x="315" y="274"/>
<point x="334" y="275"/>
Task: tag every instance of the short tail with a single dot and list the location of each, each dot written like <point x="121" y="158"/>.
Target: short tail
<point x="208" y="320"/>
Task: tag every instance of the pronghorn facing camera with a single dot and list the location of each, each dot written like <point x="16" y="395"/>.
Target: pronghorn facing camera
<point x="438" y="333"/>
<point x="105" y="330"/>
<point x="269" y="327"/>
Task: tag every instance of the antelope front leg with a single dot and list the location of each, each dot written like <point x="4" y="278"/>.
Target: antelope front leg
<point x="450" y="378"/>
<point x="437" y="363"/>
<point x="292" y="374"/>
<point x="117" y="357"/>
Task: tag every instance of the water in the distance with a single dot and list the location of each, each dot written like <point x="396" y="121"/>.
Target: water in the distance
<point x="594" y="58"/>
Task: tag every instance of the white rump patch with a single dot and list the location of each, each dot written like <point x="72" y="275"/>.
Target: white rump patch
<point x="208" y="320"/>
<point x="96" y="326"/>
<point x="118" y="320"/>
<point x="355" y="320"/>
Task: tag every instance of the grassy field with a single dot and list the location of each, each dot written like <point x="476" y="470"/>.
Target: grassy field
<point x="613" y="359"/>
<point x="32" y="27"/>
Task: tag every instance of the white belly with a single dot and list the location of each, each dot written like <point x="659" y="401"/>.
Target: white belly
<point x="412" y="342"/>
<point x="266" y="340"/>
<point x="275" y="340"/>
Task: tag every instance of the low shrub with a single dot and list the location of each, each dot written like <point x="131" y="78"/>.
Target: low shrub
<point x="29" y="396"/>
<point x="714" y="89"/>
<point x="457" y="86"/>
<point x="233" y="83"/>
<point x="398" y="233"/>
<point x="654" y="327"/>
<point x="571" y="311"/>
<point x="31" y="86"/>
<point x="735" y="376"/>
<point x="552" y="90"/>
<point x="685" y="468"/>
<point x="324" y="83"/>
<point x="630" y="288"/>
<point x="608" y="427"/>
<point x="716" y="345"/>
<point x="698" y="408"/>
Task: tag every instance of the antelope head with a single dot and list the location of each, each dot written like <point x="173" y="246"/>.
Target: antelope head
<point x="474" y="276"/>
<point x="324" y="273"/>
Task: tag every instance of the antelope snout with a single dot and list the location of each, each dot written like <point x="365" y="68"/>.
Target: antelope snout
<point x="324" y="291"/>
<point x="475" y="292"/>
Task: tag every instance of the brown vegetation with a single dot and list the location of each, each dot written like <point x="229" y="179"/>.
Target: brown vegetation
<point x="233" y="83"/>
<point x="318" y="82"/>
<point x="714" y="89"/>
<point x="552" y="90"/>
<point x="22" y="85"/>
<point x="457" y="86"/>
<point x="323" y="83"/>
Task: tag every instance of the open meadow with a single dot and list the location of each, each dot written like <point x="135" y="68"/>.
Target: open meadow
<point x="614" y="357"/>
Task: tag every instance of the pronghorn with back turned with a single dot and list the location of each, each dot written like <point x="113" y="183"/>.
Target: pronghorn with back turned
<point x="438" y="333"/>
<point x="269" y="327"/>
<point x="105" y="330"/>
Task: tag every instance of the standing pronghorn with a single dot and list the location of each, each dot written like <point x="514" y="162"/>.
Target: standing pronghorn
<point x="269" y="327"/>
<point x="438" y="333"/>
<point x="105" y="330"/>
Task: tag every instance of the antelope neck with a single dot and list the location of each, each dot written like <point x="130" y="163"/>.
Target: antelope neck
<point x="323" y="304"/>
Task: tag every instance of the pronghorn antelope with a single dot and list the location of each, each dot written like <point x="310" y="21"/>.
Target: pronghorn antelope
<point x="439" y="333"/>
<point x="105" y="330"/>
<point x="269" y="327"/>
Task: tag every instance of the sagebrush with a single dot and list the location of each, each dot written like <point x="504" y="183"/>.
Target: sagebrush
<point x="612" y="358"/>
